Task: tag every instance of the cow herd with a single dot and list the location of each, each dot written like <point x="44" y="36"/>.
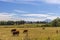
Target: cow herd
<point x="15" y="32"/>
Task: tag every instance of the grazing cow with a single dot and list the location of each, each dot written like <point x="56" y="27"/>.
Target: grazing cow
<point x="26" y="34"/>
<point x="25" y="31"/>
<point x="15" y="33"/>
<point x="57" y="31"/>
<point x="48" y="38"/>
<point x="13" y="30"/>
<point x="43" y="28"/>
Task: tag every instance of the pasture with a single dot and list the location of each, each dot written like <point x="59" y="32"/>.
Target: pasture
<point x="49" y="33"/>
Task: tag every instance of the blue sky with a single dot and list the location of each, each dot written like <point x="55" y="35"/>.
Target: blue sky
<point x="29" y="10"/>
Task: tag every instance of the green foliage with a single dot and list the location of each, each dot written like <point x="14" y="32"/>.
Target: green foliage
<point x="56" y="22"/>
<point x="11" y="22"/>
<point x="19" y="22"/>
<point x="46" y="25"/>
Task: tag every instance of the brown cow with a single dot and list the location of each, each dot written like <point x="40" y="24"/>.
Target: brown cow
<point x="15" y="32"/>
<point x="57" y="31"/>
<point x="25" y="31"/>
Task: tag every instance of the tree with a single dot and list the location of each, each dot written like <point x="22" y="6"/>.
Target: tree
<point x="56" y="22"/>
<point x="20" y="22"/>
<point x="10" y="22"/>
<point x="3" y="22"/>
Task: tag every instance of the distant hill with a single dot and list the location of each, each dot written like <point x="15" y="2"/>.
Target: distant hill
<point x="48" y="20"/>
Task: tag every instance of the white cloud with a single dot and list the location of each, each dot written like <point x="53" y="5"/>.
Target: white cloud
<point x="37" y="15"/>
<point x="51" y="13"/>
<point x="20" y="11"/>
<point x="27" y="17"/>
<point x="52" y="1"/>
<point x="40" y="17"/>
<point x="52" y="17"/>
<point x="33" y="19"/>
<point x="7" y="16"/>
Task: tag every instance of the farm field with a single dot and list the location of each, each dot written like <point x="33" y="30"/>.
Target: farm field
<point x="49" y="33"/>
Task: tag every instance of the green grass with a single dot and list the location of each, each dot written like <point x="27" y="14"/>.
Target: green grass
<point x="21" y="26"/>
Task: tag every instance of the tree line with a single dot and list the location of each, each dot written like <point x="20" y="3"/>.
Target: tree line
<point x="20" y="22"/>
<point x="11" y="22"/>
<point x="53" y="23"/>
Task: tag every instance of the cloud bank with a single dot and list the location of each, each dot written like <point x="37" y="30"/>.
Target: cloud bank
<point x="26" y="17"/>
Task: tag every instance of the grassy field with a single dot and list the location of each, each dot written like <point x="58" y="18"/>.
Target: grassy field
<point x="33" y="33"/>
<point x="21" y="26"/>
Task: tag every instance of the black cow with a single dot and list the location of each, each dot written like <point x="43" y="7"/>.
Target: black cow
<point x="43" y="28"/>
<point x="13" y="30"/>
<point x="15" y="33"/>
<point x="25" y="31"/>
<point x="57" y="31"/>
<point x="48" y="38"/>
